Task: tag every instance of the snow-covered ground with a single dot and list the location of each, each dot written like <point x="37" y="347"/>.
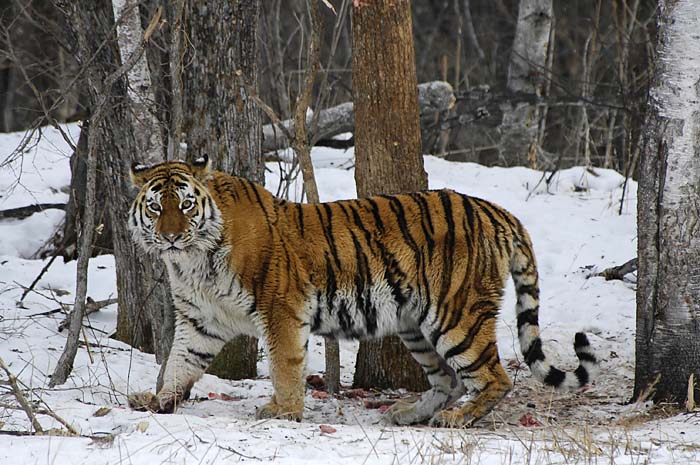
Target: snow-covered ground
<point x="576" y="230"/>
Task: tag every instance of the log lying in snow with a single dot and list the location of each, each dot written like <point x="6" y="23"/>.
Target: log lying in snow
<point x="23" y="212"/>
<point x="433" y="97"/>
<point x="618" y="272"/>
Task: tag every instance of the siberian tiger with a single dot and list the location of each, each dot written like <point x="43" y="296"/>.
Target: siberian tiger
<point x="428" y="266"/>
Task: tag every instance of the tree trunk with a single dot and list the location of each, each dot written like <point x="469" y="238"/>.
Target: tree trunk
<point x="526" y="73"/>
<point x="221" y="120"/>
<point x="387" y="150"/>
<point x="668" y="292"/>
<point x="141" y="96"/>
<point x="102" y="242"/>
<point x="142" y="320"/>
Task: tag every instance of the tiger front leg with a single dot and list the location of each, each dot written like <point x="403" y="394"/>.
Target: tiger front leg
<point x="194" y="348"/>
<point x="287" y="341"/>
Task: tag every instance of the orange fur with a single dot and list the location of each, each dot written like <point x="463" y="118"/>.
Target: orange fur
<point x="430" y="266"/>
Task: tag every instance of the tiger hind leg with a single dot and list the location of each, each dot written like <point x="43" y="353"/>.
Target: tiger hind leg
<point x="445" y="387"/>
<point x="474" y="357"/>
<point x="488" y="386"/>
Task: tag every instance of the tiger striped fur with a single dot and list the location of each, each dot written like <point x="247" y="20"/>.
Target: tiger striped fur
<point x="428" y="266"/>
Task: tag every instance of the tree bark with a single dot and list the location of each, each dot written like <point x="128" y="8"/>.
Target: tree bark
<point x="142" y="320"/>
<point x="668" y="291"/>
<point x="142" y="98"/>
<point x="526" y="73"/>
<point x="221" y="120"/>
<point x="75" y="207"/>
<point x="387" y="150"/>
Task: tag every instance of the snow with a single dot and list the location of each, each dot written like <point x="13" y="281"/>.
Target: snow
<point x="576" y="230"/>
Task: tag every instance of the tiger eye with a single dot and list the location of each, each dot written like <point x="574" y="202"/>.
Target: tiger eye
<point x="186" y="204"/>
<point x="154" y="207"/>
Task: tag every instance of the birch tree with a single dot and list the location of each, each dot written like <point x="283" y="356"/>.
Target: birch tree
<point x="668" y="292"/>
<point x="131" y="37"/>
<point x="142" y="298"/>
<point x="526" y="75"/>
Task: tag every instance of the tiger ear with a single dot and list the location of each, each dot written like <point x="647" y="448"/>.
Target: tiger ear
<point x="201" y="167"/>
<point x="137" y="174"/>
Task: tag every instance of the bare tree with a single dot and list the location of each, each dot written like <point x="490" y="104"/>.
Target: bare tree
<point x="526" y="73"/>
<point x="387" y="150"/>
<point x="142" y="298"/>
<point x="668" y="295"/>
<point x="222" y="119"/>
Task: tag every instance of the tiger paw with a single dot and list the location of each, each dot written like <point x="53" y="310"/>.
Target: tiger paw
<point x="452" y="419"/>
<point x="272" y="410"/>
<point x="405" y="413"/>
<point x="163" y="402"/>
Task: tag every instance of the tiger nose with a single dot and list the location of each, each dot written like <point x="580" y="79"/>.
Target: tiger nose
<point x="171" y="237"/>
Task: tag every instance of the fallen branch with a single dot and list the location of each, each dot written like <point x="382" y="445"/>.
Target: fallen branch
<point x="19" y="395"/>
<point x="433" y="97"/>
<point x="46" y="267"/>
<point x="28" y="210"/>
<point x="618" y="272"/>
<point x="90" y="307"/>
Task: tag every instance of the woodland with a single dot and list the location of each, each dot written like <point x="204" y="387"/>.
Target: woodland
<point x="580" y="116"/>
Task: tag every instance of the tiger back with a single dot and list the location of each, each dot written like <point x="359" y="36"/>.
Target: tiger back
<point x="429" y="266"/>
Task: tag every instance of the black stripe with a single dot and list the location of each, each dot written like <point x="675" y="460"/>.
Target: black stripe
<point x="246" y="188"/>
<point x="471" y="334"/>
<point x="358" y="223"/>
<point x="580" y="340"/>
<point x="397" y="207"/>
<point x="469" y="212"/>
<point x="555" y="377"/>
<point x="586" y="357"/>
<point x="260" y="202"/>
<point x="344" y="208"/>
<point x="425" y="221"/>
<point x="529" y="316"/>
<point x="375" y="213"/>
<point x="530" y="289"/>
<point x="485" y="355"/>
<point x="420" y="198"/>
<point x="261" y="279"/>
<point x="363" y="278"/>
<point x="534" y="352"/>
<point x="316" y="321"/>
<point x="328" y="233"/>
<point x="300" y="213"/>
<point x="205" y="357"/>
<point x="447" y="252"/>
<point x="331" y="285"/>
<point x="582" y="375"/>
<point x="201" y="329"/>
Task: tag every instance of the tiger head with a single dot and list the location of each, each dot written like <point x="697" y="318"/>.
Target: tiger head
<point x="174" y="212"/>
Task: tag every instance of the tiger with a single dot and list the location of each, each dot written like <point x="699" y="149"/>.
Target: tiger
<point x="428" y="266"/>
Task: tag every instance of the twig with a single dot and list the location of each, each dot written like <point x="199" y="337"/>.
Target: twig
<point x="471" y="33"/>
<point x="302" y="148"/>
<point x="65" y="362"/>
<point x="21" y="399"/>
<point x="41" y="274"/>
<point x="233" y="451"/>
<point x="618" y="272"/>
<point x="90" y="307"/>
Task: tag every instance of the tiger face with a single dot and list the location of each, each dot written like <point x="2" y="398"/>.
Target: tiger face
<point x="173" y="211"/>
